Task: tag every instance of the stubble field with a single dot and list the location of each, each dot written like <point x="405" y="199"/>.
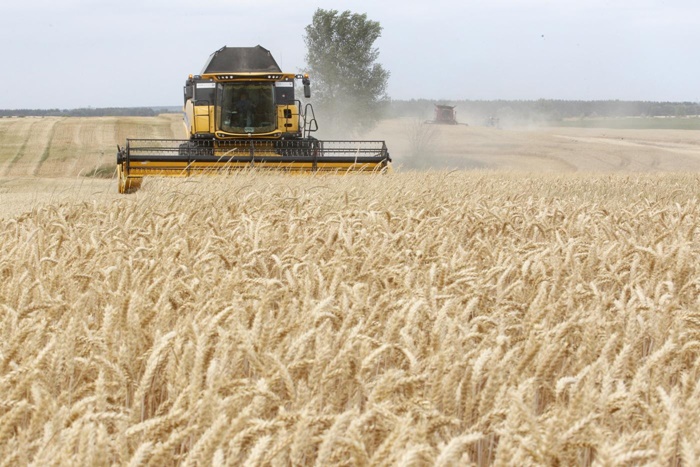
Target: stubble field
<point x="450" y="317"/>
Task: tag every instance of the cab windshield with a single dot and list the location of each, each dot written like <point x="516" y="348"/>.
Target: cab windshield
<point x="246" y="108"/>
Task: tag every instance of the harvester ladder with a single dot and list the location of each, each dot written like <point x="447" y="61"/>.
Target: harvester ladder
<point x="310" y="124"/>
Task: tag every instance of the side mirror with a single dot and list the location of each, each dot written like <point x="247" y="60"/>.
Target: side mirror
<point x="188" y="91"/>
<point x="307" y="85"/>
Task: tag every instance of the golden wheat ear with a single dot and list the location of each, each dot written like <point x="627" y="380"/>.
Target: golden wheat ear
<point x="429" y="318"/>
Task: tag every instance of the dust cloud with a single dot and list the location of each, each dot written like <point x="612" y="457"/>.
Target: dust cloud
<point x="417" y="145"/>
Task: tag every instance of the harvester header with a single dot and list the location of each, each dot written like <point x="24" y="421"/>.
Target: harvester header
<point x="241" y="112"/>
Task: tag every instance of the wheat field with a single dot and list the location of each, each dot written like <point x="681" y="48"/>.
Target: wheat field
<point x="439" y="318"/>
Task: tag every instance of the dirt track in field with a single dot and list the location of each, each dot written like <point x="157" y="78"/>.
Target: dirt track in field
<point x="43" y="159"/>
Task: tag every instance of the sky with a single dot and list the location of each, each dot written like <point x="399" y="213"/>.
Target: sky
<point x="129" y="53"/>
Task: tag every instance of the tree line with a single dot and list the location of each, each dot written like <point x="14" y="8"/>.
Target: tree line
<point x="85" y="112"/>
<point x="550" y="109"/>
<point x="547" y="109"/>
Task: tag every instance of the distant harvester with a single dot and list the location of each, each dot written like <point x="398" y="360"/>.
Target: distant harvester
<point x="445" y="115"/>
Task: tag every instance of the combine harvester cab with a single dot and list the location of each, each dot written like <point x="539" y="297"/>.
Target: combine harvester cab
<point x="241" y="113"/>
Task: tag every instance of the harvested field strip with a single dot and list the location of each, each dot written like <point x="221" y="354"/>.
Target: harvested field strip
<point x="77" y="148"/>
<point x="145" y="127"/>
<point x="178" y="130"/>
<point x="433" y="319"/>
<point x="69" y="146"/>
<point x="20" y="152"/>
<point x="33" y="137"/>
<point x="47" y="148"/>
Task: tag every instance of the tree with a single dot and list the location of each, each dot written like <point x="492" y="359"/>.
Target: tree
<point x="349" y="87"/>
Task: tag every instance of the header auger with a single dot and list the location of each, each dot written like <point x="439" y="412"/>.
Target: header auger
<point x="241" y="113"/>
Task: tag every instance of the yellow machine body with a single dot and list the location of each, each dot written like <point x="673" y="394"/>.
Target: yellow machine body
<point x="240" y="113"/>
<point x="202" y="118"/>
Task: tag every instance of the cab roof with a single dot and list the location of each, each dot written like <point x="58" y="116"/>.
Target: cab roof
<point x="241" y="60"/>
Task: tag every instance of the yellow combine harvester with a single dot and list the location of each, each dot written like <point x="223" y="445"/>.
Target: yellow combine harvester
<point x="241" y="113"/>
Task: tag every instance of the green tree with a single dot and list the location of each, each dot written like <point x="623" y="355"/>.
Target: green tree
<point x="349" y="86"/>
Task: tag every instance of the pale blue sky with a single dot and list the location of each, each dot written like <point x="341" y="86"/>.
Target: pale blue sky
<point x="124" y="53"/>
